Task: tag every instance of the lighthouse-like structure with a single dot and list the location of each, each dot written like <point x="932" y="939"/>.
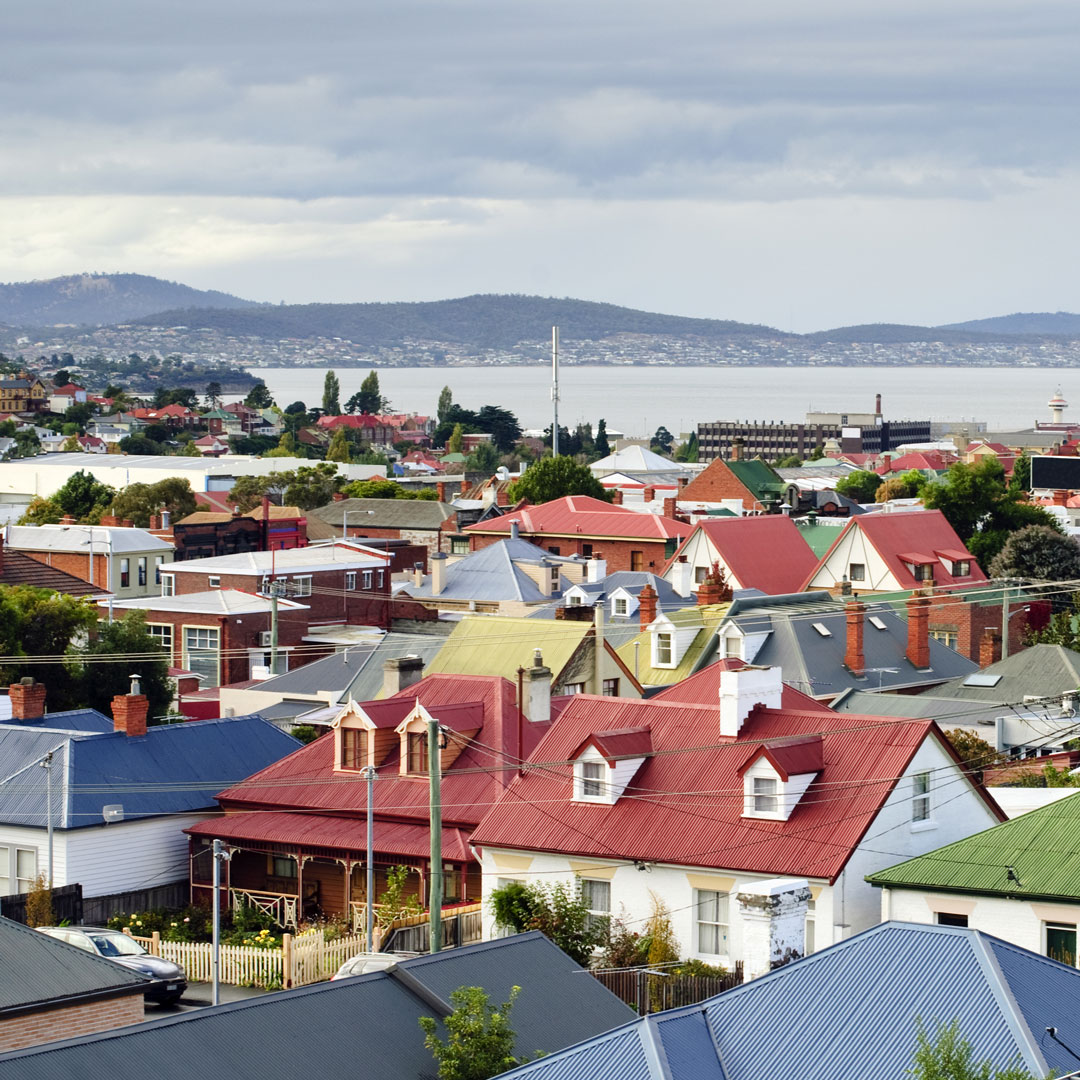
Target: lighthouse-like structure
<point x="1057" y="406"/>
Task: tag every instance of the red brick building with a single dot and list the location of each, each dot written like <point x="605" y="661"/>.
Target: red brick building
<point x="580" y="525"/>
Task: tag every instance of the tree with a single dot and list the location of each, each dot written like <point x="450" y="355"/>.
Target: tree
<point x="662" y="440"/>
<point x="600" y="443"/>
<point x="331" y="395"/>
<point x="446" y="399"/>
<point x="312" y="485"/>
<point x="560" y="911"/>
<point x="213" y="395"/>
<point x="860" y="485"/>
<point x="79" y="414"/>
<point x="367" y="399"/>
<point x="338" y="450"/>
<point x="71" y="445"/>
<point x="379" y="489"/>
<point x="176" y="395"/>
<point x="27" y="443"/>
<point x="552" y="478"/>
<point x="190" y="450"/>
<point x="949" y="1057"/>
<point x="61" y="378"/>
<point x="138" y="502"/>
<point x="39" y="907"/>
<point x="83" y="497"/>
<point x="103" y="680"/>
<point x="905" y="486"/>
<point x="259" y="397"/>
<point x="501" y="424"/>
<point x="976" y="753"/>
<point x="286" y="446"/>
<point x="295" y="408"/>
<point x="484" y="459"/>
<point x="1020" y="481"/>
<point x="480" y="1040"/>
<point x="456" y="440"/>
<point x="139" y="445"/>
<point x="792" y="461"/>
<point x="1038" y="553"/>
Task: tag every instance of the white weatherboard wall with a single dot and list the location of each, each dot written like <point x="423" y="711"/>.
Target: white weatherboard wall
<point x="1018" y="921"/>
<point x="855" y="548"/>
<point x="844" y="908"/>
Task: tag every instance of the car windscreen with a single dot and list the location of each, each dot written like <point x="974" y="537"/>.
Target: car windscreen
<point x="116" y="945"/>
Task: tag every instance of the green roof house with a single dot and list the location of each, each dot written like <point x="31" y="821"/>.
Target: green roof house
<point x="1019" y="881"/>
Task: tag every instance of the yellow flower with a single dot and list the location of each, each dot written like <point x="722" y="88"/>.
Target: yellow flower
<point x="176" y="924"/>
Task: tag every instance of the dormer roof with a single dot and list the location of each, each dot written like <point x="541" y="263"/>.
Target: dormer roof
<point x="627" y="742"/>
<point x="790" y="757"/>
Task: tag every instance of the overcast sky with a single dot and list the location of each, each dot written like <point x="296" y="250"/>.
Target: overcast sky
<point x="802" y="165"/>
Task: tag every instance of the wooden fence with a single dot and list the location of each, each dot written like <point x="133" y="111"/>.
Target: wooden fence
<point x="649" y="993"/>
<point x="461" y="925"/>
<point x="67" y="903"/>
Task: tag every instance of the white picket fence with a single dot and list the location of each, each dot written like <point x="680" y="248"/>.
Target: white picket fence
<point x="301" y="960"/>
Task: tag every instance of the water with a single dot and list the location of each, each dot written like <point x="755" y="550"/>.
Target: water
<point x="638" y="400"/>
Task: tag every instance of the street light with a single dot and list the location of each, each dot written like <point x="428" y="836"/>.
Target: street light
<point x="345" y="519"/>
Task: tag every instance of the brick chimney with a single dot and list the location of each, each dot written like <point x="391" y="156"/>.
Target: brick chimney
<point x="67" y="519"/>
<point x="129" y="710"/>
<point x="440" y="491"/>
<point x="649" y="494"/>
<point x="918" y="632"/>
<point x="854" y="660"/>
<point x="737" y="445"/>
<point x="683" y="481"/>
<point x="669" y="507"/>
<point x="1061" y="498"/>
<point x="27" y="700"/>
<point x="338" y="496"/>
<point x="110" y="521"/>
<point x="616" y="498"/>
<point x="646" y="606"/>
<point x="502" y="496"/>
<point x="989" y="647"/>
<point x="464" y="488"/>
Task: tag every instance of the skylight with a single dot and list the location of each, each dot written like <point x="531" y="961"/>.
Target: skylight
<point x="822" y="629"/>
<point x="982" y="679"/>
<point x="876" y="622"/>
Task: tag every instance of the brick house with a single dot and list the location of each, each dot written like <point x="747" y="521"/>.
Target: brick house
<point x="751" y="484"/>
<point x="207" y="533"/>
<point x="580" y="525"/>
<point x="339" y="583"/>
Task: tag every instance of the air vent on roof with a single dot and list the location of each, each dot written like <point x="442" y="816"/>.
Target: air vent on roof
<point x="112" y="812"/>
<point x="982" y="679"/>
<point x="876" y="622"/>
<point x="822" y="629"/>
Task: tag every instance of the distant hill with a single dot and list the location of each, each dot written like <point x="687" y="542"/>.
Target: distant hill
<point x="487" y="321"/>
<point x="897" y="333"/>
<point x="1060" y="323"/>
<point x="101" y="299"/>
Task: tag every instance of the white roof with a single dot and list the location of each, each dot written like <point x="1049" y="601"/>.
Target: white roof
<point x="212" y="601"/>
<point x="337" y="556"/>
<point x="634" y="459"/>
<point x="79" y="538"/>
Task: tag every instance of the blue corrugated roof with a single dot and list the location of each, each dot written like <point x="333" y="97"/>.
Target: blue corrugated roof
<point x="852" y="1010"/>
<point x="174" y="768"/>
<point x="70" y="720"/>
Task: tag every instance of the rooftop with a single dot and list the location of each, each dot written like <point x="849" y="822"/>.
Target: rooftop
<point x="80" y="538"/>
<point x="341" y="555"/>
<point x="580" y="515"/>
<point x="214" y="601"/>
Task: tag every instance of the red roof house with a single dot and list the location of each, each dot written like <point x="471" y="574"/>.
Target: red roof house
<point x="580" y="525"/>
<point x="687" y="803"/>
<point x="766" y="553"/>
<point x="892" y="552"/>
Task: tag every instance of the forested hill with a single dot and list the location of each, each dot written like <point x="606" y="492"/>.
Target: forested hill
<point x="487" y="322"/>
<point x="1063" y="323"/>
<point x="101" y="299"/>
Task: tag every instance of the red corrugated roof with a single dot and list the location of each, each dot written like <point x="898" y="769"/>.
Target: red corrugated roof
<point x="791" y="757"/>
<point x="684" y="807"/>
<point x="581" y="515"/>
<point x="704" y="689"/>
<point x="891" y="534"/>
<point x="336" y="833"/>
<point x="766" y="553"/>
<point x="629" y="742"/>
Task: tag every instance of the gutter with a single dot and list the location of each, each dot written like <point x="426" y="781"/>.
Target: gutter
<point x="77" y="999"/>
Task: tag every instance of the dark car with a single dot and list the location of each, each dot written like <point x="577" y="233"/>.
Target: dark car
<point x="171" y="979"/>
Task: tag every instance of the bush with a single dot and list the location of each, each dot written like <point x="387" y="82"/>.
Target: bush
<point x="39" y="909"/>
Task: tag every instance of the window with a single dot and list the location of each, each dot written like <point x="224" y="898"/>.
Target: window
<point x="451" y="877"/>
<point x="1061" y="942"/>
<point x="168" y="584"/>
<point x="620" y="606"/>
<point x="663" y="649"/>
<point x="962" y="568"/>
<point x="611" y="688"/>
<point x="162" y="633"/>
<point x="379" y="578"/>
<point x="637" y="561"/>
<point x="213" y="582"/>
<point x="946" y="636"/>
<point x="592" y="780"/>
<point x="670" y="547"/>
<point x="574" y="600"/>
<point x="350" y="580"/>
<point x="202" y="653"/>
<point x="732" y="647"/>
<point x="857" y="571"/>
<point x="142" y="569"/>
<point x="920" y="797"/>
<point x="459" y="547"/>
<point x="574" y="688"/>
<point x="282" y="866"/>
<point x="5" y="879"/>
<point x="948" y="918"/>
<point x="554" y="551"/>
<point x="26" y="869"/>
<point x="158" y="560"/>
<point x="367" y="579"/>
<point x="418" y="755"/>
<point x="303" y="585"/>
<point x="700" y="573"/>
<point x="712" y="922"/>
<point x="354" y="748"/>
<point x="125" y="573"/>
<point x="586" y="550"/>
<point x="765" y="795"/>
<point x="597" y="897"/>
<point x="811" y="927"/>
<point x="924" y="572"/>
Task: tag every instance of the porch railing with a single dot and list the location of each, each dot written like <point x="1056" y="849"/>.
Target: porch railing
<point x="281" y="907"/>
<point x="461" y="925"/>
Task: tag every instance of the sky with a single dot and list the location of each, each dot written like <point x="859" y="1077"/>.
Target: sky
<point x="799" y="165"/>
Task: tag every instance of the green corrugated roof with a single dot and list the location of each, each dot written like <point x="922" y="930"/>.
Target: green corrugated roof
<point x="819" y="538"/>
<point x="1040" y="846"/>
<point x="758" y="477"/>
<point x="497" y="645"/>
<point x="707" y="616"/>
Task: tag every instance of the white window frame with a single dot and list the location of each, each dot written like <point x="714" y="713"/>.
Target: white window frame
<point x="302" y="585"/>
<point x="620" y="606"/>
<point x="719" y="904"/>
<point x="664" y="649"/>
<point x="766" y="792"/>
<point x="213" y="581"/>
<point x="810" y="929"/>
<point x="168" y="584"/>
<point x="574" y="688"/>
<point x="350" y="580"/>
<point x="380" y="578"/>
<point x="125" y="573"/>
<point x="367" y="580"/>
<point x="573" y="600"/>
<point x="590" y="780"/>
<point x="214" y="631"/>
<point x="921" y="804"/>
<point x="5" y="870"/>
<point x="22" y="880"/>
<point x="141" y="570"/>
<point x="159" y="561"/>
<point x="596" y="892"/>
<point x="1054" y="924"/>
<point x="852" y="575"/>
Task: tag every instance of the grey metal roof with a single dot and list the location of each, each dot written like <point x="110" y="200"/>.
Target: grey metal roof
<point x="78" y="538"/>
<point x="363" y="1028"/>
<point x="1043" y="670"/>
<point x="851" y="1010"/>
<point x="948" y="711"/>
<point x="213" y="601"/>
<point x="387" y="513"/>
<point x="39" y="970"/>
<point x="332" y="673"/>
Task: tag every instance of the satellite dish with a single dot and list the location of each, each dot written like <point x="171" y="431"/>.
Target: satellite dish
<point x="112" y="813"/>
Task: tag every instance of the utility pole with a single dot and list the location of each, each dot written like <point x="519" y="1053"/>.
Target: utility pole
<point x="370" y="891"/>
<point x="46" y="764"/>
<point x="434" y="782"/>
<point x="273" y="628"/>
<point x="1005" y="619"/>
<point x="220" y="855"/>
<point x="554" y="391"/>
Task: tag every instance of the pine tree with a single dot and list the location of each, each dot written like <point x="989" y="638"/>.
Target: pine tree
<point x="331" y="395"/>
<point x="338" y="450"/>
<point x="456" y="440"/>
<point x="446" y="399"/>
<point x="600" y="443"/>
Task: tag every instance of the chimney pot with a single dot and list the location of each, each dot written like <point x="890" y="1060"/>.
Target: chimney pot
<point x="338" y="496"/>
<point x="649" y="494"/>
<point x="438" y="573"/>
<point x="616" y="497"/>
<point x="515" y="530"/>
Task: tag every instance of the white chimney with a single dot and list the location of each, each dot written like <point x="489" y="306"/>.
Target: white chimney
<point x="595" y="569"/>
<point x="741" y="690"/>
<point x="418" y="574"/>
<point x="681" y="577"/>
<point x="547" y="578"/>
<point x="438" y="573"/>
<point x="514" y="530"/>
<point x="773" y="914"/>
<point x="537" y="706"/>
<point x="400" y="672"/>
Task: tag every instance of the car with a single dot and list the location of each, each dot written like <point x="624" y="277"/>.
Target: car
<point x="170" y="979"/>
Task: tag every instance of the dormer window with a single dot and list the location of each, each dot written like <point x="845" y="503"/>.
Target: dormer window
<point x="620" y="606"/>
<point x="574" y="600"/>
<point x="592" y="777"/>
<point x="664" y="650"/>
<point x="418" y="752"/>
<point x="354" y="748"/>
<point x="962" y="568"/>
<point x="776" y="776"/>
<point x="765" y="794"/>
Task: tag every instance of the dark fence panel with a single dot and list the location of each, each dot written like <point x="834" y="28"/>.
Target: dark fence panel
<point x="654" y="993"/>
<point x="97" y="910"/>
<point x="67" y="903"/>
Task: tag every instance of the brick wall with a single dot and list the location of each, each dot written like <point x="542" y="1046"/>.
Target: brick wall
<point x="429" y="539"/>
<point x="717" y="483"/>
<point x="617" y="553"/>
<point x="86" y="1019"/>
<point x="968" y="621"/>
<point x="75" y="564"/>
